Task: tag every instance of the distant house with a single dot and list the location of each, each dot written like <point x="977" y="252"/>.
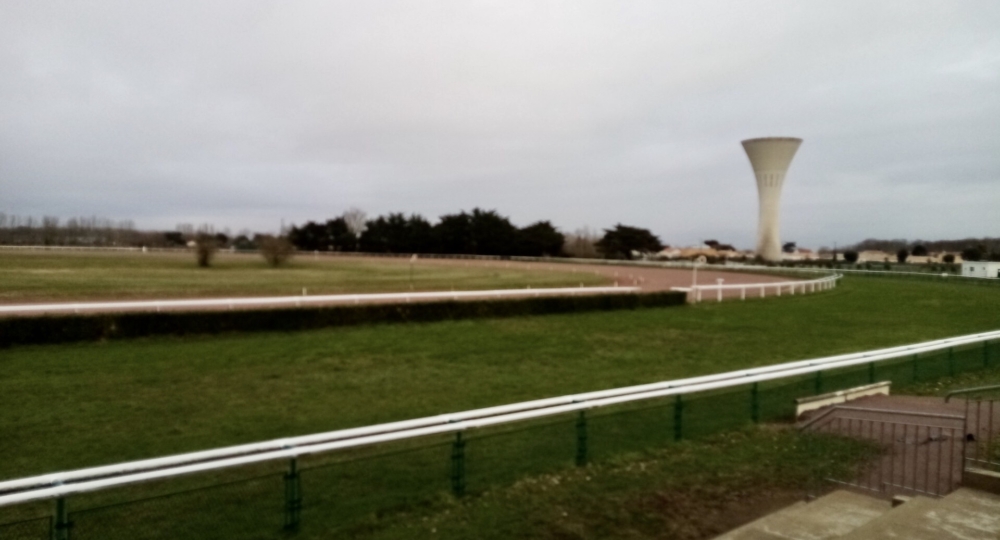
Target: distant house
<point x="872" y="255"/>
<point x="981" y="269"/>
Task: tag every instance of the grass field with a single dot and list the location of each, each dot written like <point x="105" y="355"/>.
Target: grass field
<point x="42" y="276"/>
<point x="88" y="404"/>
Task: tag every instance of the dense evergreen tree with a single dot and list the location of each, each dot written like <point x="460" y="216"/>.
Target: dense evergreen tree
<point x="333" y="235"/>
<point x="481" y="232"/>
<point x="540" y="239"/>
<point x="622" y="240"/>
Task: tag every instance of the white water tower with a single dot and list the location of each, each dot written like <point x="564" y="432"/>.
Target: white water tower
<point x="770" y="158"/>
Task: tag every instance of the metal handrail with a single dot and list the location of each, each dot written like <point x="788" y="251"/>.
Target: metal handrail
<point x="970" y="391"/>
<point x="60" y="484"/>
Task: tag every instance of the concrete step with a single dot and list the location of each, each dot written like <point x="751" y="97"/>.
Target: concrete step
<point x="963" y="515"/>
<point x="751" y="530"/>
<point x="831" y="516"/>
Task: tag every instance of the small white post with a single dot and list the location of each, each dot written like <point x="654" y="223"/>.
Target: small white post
<point x="719" y="295"/>
<point x="779" y="290"/>
<point x="762" y="295"/>
<point x="743" y="293"/>
<point x="698" y="295"/>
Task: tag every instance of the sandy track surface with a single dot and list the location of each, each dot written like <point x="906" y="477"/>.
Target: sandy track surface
<point x="646" y="279"/>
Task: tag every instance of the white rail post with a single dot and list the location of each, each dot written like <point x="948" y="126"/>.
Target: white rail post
<point x="743" y="293"/>
<point x="719" y="295"/>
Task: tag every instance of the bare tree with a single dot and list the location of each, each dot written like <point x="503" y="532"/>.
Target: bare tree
<point x="582" y="243"/>
<point x="276" y="250"/>
<point x="355" y="219"/>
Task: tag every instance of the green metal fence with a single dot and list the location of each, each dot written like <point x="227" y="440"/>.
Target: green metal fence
<point x="342" y="493"/>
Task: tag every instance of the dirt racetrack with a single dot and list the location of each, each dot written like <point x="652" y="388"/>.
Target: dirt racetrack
<point x="647" y="279"/>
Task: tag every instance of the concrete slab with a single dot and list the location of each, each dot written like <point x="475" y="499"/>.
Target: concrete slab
<point x="751" y="531"/>
<point x="828" y="517"/>
<point x="964" y="515"/>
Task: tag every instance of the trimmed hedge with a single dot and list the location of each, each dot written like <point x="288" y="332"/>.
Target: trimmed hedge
<point x="63" y="329"/>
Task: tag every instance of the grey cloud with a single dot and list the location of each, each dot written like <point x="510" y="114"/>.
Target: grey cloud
<point x="586" y="113"/>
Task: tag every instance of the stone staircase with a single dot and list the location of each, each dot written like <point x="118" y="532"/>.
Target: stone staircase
<point x="964" y="514"/>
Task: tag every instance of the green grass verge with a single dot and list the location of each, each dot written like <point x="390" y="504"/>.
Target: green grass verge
<point x="42" y="276"/>
<point x="689" y="490"/>
<point x="66" y="406"/>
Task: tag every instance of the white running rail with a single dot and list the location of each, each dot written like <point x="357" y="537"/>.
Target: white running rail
<point x="298" y="301"/>
<point x="57" y="485"/>
<point x="760" y="289"/>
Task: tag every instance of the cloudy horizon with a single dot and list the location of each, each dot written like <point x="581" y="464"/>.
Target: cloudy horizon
<point x="247" y="114"/>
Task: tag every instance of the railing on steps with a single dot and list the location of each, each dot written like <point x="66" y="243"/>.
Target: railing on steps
<point x="980" y="410"/>
<point x="924" y="452"/>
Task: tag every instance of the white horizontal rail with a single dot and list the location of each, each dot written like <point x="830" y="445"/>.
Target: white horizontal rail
<point x="147" y="305"/>
<point x="806" y="286"/>
<point x="94" y="485"/>
<point x="60" y="484"/>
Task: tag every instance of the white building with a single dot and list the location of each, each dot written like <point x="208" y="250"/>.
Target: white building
<point x="982" y="269"/>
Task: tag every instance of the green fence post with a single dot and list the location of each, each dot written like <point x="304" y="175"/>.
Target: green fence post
<point x="754" y="404"/>
<point x="678" y="418"/>
<point x="819" y="382"/>
<point x="871" y="372"/>
<point x="293" y="496"/>
<point x="458" y="465"/>
<point x="62" y="524"/>
<point x="951" y="361"/>
<point x="581" y="439"/>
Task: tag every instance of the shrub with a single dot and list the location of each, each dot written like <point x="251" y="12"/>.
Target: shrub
<point x="851" y="256"/>
<point x="949" y="258"/>
<point x="205" y="246"/>
<point x="275" y="249"/>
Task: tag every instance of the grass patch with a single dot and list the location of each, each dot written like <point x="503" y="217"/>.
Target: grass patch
<point x="40" y="276"/>
<point x="689" y="490"/>
<point x="67" y="406"/>
<point x="972" y="379"/>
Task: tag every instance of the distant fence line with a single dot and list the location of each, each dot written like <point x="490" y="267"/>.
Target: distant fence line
<point x="827" y="268"/>
<point x="299" y="301"/>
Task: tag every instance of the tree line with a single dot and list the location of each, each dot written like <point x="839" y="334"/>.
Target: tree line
<point x="479" y="232"/>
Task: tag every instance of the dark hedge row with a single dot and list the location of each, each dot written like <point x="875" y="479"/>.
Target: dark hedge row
<point x="63" y="329"/>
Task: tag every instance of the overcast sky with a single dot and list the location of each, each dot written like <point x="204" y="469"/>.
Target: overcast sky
<point x="241" y="113"/>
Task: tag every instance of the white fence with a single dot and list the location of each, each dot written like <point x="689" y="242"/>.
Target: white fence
<point x="760" y="289"/>
<point x="299" y="301"/>
<point x="63" y="484"/>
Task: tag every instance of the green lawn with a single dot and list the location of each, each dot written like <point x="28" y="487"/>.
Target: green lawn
<point x="686" y="491"/>
<point x="88" y="404"/>
<point x="44" y="276"/>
